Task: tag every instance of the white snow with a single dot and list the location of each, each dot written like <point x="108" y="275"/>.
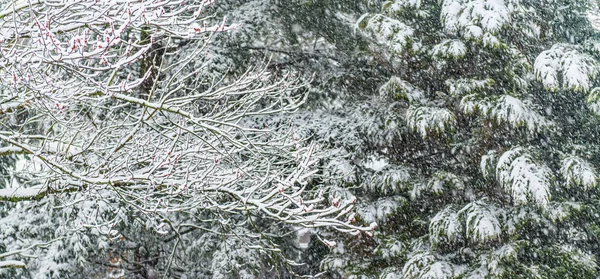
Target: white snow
<point x="10" y="149"/>
<point x="442" y="181"/>
<point x="593" y="15"/>
<point x="481" y="222"/>
<point x="507" y="109"/>
<point x="560" y="211"/>
<point x="487" y="164"/>
<point x="378" y="211"/>
<point x="21" y="193"/>
<point x="490" y="15"/>
<point x="593" y="101"/>
<point x="413" y="267"/>
<point x="525" y="180"/>
<point x="12" y="264"/>
<point x="578" y="172"/>
<point x="391" y="32"/>
<point x="449" y="49"/>
<point x="461" y="87"/>
<point x="375" y="164"/>
<point x="398" y="88"/>
<point x="577" y="69"/>
<point x="517" y="113"/>
<point x="438" y="270"/>
<point x="427" y="120"/>
<point x="445" y="227"/>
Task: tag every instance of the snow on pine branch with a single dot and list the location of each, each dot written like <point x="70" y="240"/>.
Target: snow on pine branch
<point x="423" y="264"/>
<point x="400" y="5"/>
<point x="442" y="181"/>
<point x="565" y="66"/>
<point x="561" y="211"/>
<point x="524" y="179"/>
<point x="439" y="270"/>
<point x="430" y="120"/>
<point x="416" y="262"/>
<point x="575" y="256"/>
<point x="487" y="165"/>
<point x="389" y="180"/>
<point x="593" y="100"/>
<point x="461" y="87"/>
<point x="481" y="221"/>
<point x="445" y="227"/>
<point x="449" y="49"/>
<point x="506" y="109"/>
<point x="397" y="88"/>
<point x="578" y="172"/>
<point x="484" y="15"/>
<point x="478" y="221"/>
<point x="378" y="211"/>
<point x="439" y="184"/>
<point x="388" y="31"/>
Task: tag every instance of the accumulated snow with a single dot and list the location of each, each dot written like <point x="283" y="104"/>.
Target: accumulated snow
<point x="390" y="179"/>
<point x="488" y="163"/>
<point x="391" y="32"/>
<point x="9" y="106"/>
<point x="523" y="178"/>
<point x="22" y="193"/>
<point x="586" y="260"/>
<point x="449" y="49"/>
<point x="12" y="264"/>
<point x="426" y="120"/>
<point x="564" y="66"/>
<point x="445" y="227"/>
<point x="442" y="181"/>
<point x="413" y="267"/>
<point x="379" y="210"/>
<point x="392" y="249"/>
<point x="593" y="101"/>
<point x="10" y="150"/>
<point x="559" y="211"/>
<point x="481" y="221"/>
<point x="375" y="164"/>
<point x="579" y="172"/>
<point x="507" y="109"/>
<point x="438" y="270"/>
<point x="490" y="15"/>
<point x="593" y="15"/>
<point x="531" y="179"/>
<point x="401" y="89"/>
<point x="461" y="87"/>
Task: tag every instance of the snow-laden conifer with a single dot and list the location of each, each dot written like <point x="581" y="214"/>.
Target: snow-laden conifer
<point x="524" y="179"/>
<point x="428" y="121"/>
<point x="481" y="221"/>
<point x="578" y="173"/>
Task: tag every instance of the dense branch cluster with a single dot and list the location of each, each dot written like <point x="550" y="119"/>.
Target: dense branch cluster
<point x="108" y="101"/>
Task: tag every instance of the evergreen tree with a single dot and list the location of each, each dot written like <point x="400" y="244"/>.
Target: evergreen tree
<point x="492" y="169"/>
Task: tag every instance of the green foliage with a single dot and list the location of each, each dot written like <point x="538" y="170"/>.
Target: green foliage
<point x="490" y="98"/>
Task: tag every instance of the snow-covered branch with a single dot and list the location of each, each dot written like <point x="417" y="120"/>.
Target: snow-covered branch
<point x="110" y="97"/>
